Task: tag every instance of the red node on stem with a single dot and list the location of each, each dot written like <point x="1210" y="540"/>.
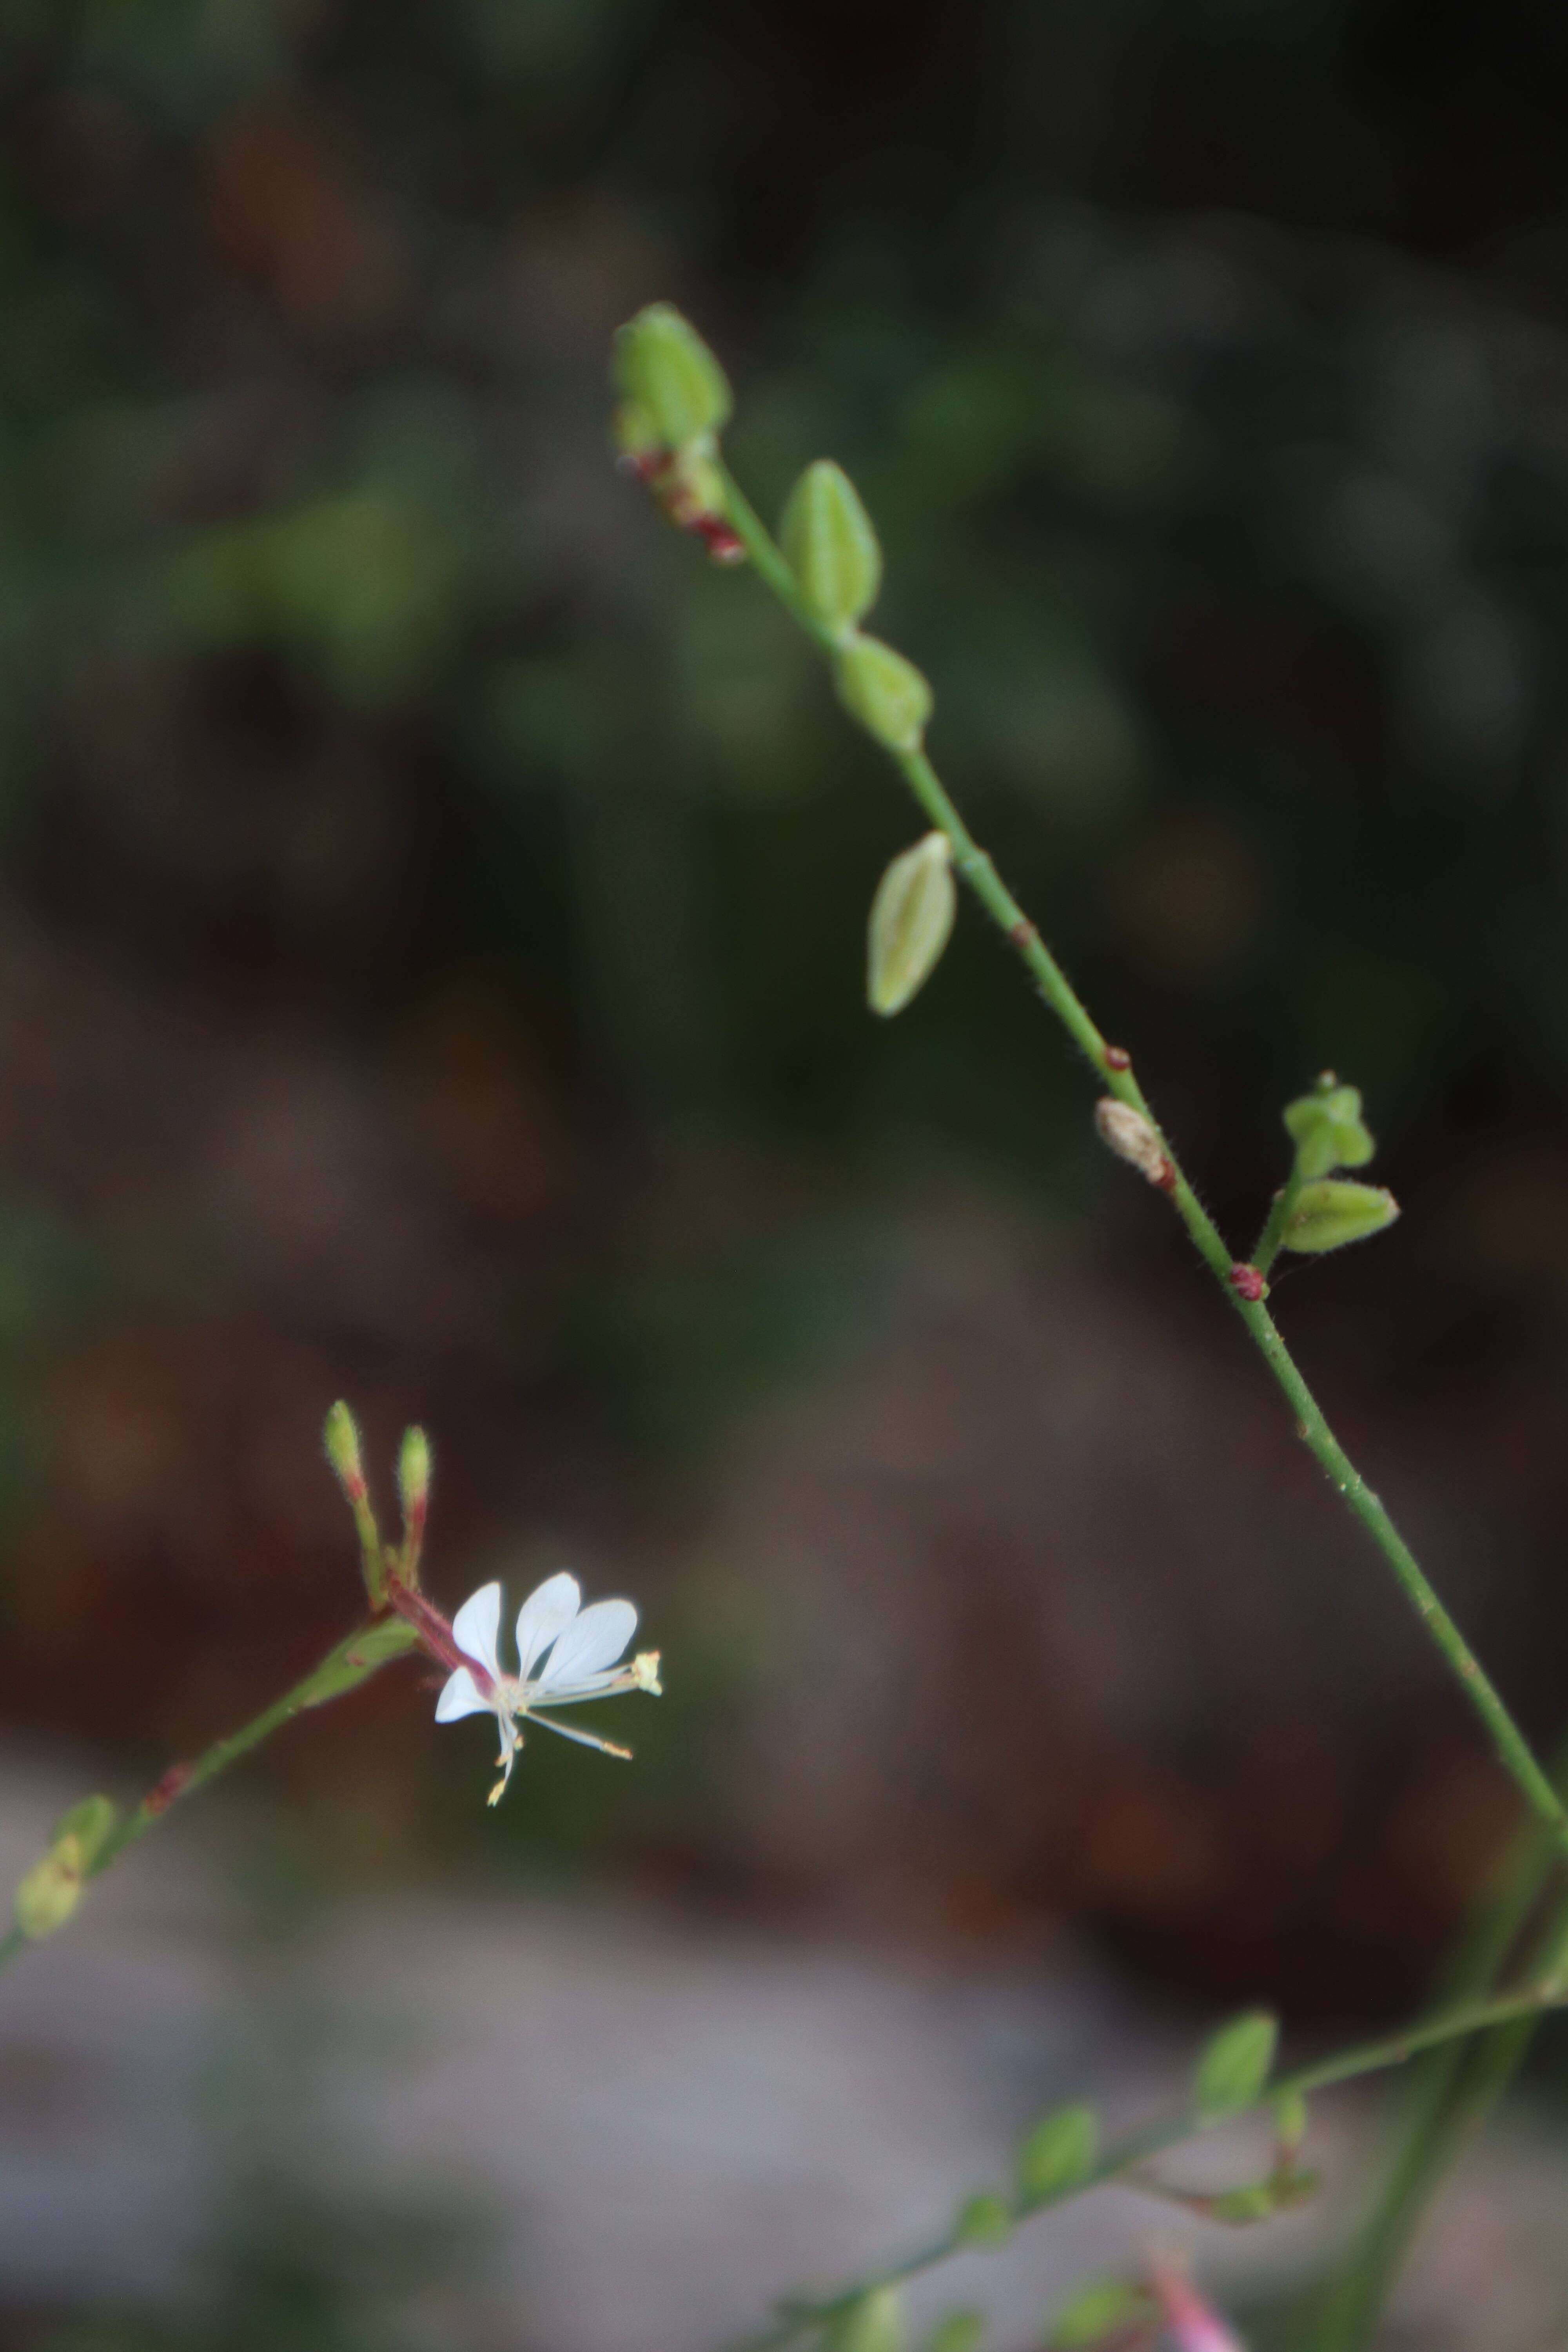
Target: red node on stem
<point x="1248" y="1283"/>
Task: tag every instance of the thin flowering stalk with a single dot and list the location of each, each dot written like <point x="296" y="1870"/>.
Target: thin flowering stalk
<point x="1451" y="2093"/>
<point x="1119" y="2159"/>
<point x="1241" y="1282"/>
<point x="348" y="1663"/>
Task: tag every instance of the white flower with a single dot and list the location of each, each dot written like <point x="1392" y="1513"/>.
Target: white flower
<point x="582" y="1644"/>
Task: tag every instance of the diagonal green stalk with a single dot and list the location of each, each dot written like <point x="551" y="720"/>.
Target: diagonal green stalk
<point x="340" y="1671"/>
<point x="1121" y="2156"/>
<point x="1450" y="2095"/>
<point x="1271" y="1239"/>
<point x="1112" y="1068"/>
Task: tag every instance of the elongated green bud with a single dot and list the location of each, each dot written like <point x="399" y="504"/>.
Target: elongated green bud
<point x="339" y="1435"/>
<point x="663" y="365"/>
<point x="886" y="693"/>
<point x="986" y="2219"/>
<point x="1328" y="1130"/>
<point x="1328" y="1215"/>
<point x="830" y="546"/>
<point x="912" y="920"/>
<point x="48" y="1893"/>
<point x="1058" y="2154"/>
<point x="873" y="2324"/>
<point x="414" y="1492"/>
<point x="1234" y="2065"/>
<point x="89" y="1824"/>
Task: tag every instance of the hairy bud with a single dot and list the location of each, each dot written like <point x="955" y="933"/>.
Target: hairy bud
<point x="912" y="920"/>
<point x="665" y="368"/>
<point x="1328" y="1215"/>
<point x="1327" y="1128"/>
<point x="48" y="1893"/>
<point x="1134" y="1139"/>
<point x="830" y="546"/>
<point x="886" y="693"/>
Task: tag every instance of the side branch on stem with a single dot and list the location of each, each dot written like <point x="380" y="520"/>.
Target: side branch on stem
<point x="1112" y="1066"/>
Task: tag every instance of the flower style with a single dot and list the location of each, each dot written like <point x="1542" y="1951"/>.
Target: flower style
<point x="581" y="1644"/>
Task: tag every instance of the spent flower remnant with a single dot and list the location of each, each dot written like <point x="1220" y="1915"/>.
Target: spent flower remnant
<point x="566" y="1653"/>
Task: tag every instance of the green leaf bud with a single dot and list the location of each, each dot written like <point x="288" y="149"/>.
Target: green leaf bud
<point x="1234" y="2065"/>
<point x="886" y="693"/>
<point x="1099" y="2310"/>
<point x="830" y="546"/>
<point x="663" y="365"/>
<point x="983" y="2221"/>
<point x="89" y="1822"/>
<point x="1328" y="1215"/>
<point x="1058" y="2154"/>
<point x="48" y="1893"/>
<point x="957" y="2331"/>
<point x="873" y="2322"/>
<point x="912" y="920"/>
<point x="1327" y="1128"/>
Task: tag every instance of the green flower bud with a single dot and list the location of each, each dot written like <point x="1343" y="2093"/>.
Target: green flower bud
<point x="912" y="919"/>
<point x="830" y="546"/>
<point x="339" y="1435"/>
<point x="1327" y="1128"/>
<point x="1058" y="2154"/>
<point x="49" y="1892"/>
<point x="665" y="367"/>
<point x="1328" y="1215"/>
<point x="1234" y="2067"/>
<point x="1097" y="2311"/>
<point x="634" y="433"/>
<point x="89" y="1824"/>
<point x="415" y="1475"/>
<point x="875" y="2323"/>
<point x="982" y="2220"/>
<point x="886" y="693"/>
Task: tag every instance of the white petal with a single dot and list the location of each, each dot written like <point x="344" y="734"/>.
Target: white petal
<point x="459" y="1696"/>
<point x="476" y="1626"/>
<point x="547" y="1612"/>
<point x="592" y="1640"/>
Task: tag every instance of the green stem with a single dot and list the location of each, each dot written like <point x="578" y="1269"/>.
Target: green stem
<point x="1111" y="1066"/>
<point x="339" y="1672"/>
<point x="1451" y="2095"/>
<point x="1273" y="1233"/>
<point x="1133" y="2149"/>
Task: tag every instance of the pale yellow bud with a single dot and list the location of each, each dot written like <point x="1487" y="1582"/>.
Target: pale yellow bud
<point x="1134" y="1139"/>
<point x="49" y="1892"/>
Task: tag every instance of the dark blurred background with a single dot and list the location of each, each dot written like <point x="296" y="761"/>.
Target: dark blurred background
<point x="432" y="933"/>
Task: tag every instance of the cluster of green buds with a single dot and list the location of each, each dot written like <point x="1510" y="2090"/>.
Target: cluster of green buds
<point x="674" y="402"/>
<point x="47" y="1893"/>
<point x="1329" y="1132"/>
<point x="831" y="548"/>
<point x="383" y="1565"/>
